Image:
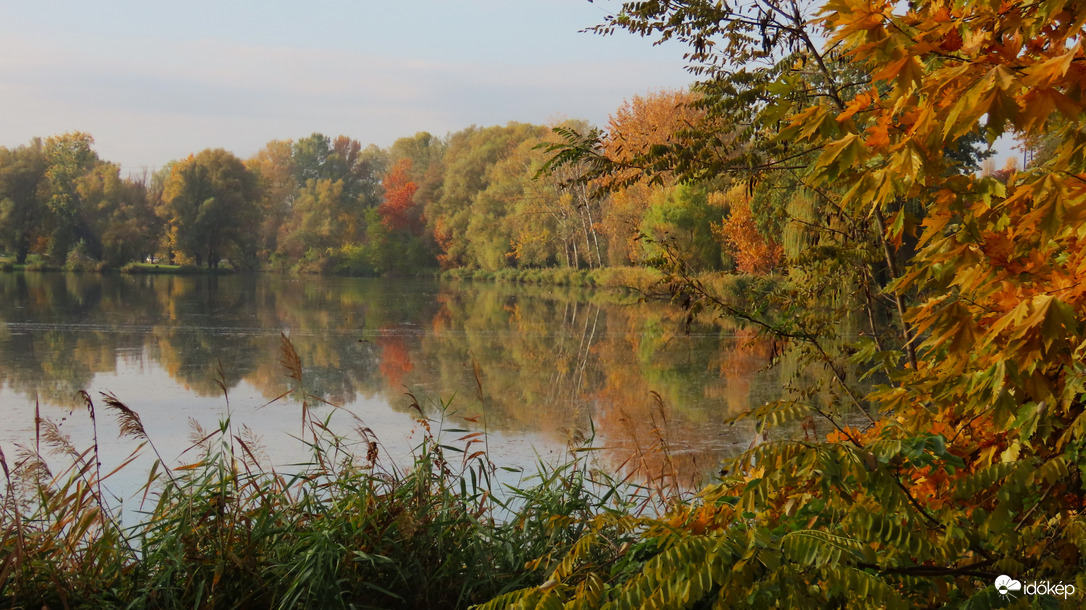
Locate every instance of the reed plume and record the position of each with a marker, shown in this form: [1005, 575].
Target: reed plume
[56, 440]
[131, 425]
[198, 437]
[128, 420]
[288, 357]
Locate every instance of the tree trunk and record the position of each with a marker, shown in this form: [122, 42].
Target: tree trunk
[595, 237]
[587, 243]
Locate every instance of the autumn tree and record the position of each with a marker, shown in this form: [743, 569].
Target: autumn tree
[274, 168]
[753, 252]
[398, 210]
[396, 237]
[57, 197]
[426, 154]
[641, 125]
[209, 206]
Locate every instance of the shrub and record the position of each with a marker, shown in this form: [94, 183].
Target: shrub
[643, 280]
[481, 275]
[40, 265]
[507, 275]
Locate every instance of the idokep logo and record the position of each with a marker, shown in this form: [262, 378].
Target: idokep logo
[1007, 586]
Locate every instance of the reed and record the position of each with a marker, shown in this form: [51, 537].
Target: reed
[346, 529]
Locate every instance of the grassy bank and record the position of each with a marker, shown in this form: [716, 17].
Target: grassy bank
[346, 529]
[137, 268]
[9, 264]
[644, 282]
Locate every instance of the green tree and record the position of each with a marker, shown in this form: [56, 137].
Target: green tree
[210, 209]
[321, 218]
[69, 157]
[318, 157]
[469, 222]
[681, 219]
[22, 172]
[337, 181]
[554, 218]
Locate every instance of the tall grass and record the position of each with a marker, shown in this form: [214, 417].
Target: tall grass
[345, 529]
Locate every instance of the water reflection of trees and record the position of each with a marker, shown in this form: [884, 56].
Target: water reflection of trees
[53, 341]
[528, 358]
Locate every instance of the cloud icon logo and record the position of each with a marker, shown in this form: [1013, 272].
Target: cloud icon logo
[1005, 584]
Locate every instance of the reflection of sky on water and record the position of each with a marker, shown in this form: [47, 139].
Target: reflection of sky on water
[278, 426]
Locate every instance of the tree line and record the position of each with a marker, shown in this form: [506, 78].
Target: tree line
[476, 198]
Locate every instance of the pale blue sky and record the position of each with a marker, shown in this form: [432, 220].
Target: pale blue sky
[155, 81]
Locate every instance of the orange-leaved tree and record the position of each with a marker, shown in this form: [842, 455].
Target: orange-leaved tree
[640, 125]
[753, 252]
[969, 467]
[398, 201]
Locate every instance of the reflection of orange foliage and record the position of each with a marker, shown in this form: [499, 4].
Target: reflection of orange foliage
[753, 252]
[651, 442]
[642, 433]
[395, 359]
[748, 355]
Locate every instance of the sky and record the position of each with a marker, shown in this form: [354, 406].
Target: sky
[153, 81]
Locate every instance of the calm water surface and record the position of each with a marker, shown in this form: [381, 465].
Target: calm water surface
[538, 367]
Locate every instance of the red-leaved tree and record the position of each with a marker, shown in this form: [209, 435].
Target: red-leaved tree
[398, 210]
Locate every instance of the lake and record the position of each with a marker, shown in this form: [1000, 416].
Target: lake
[536, 368]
